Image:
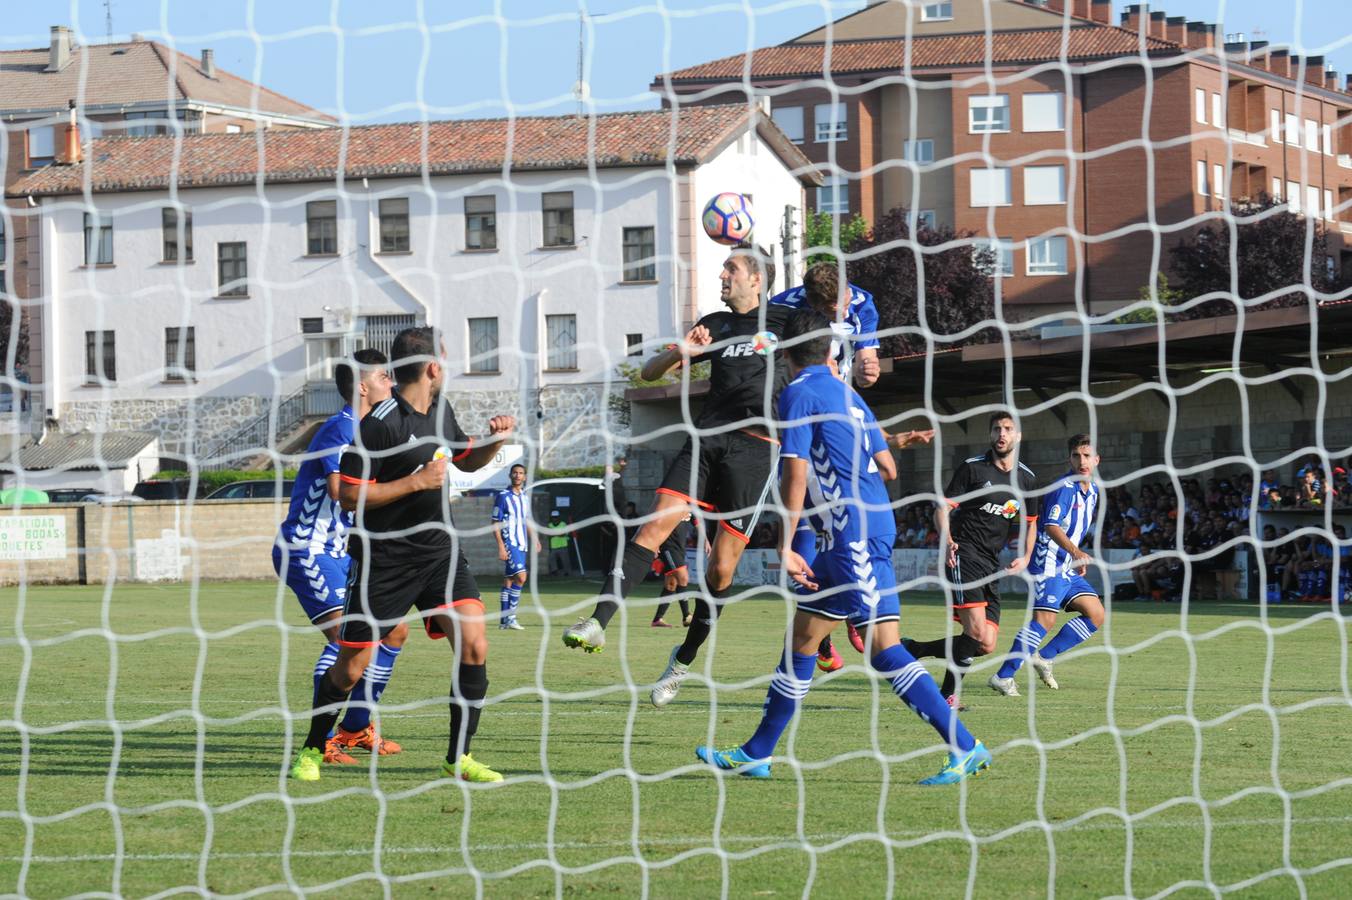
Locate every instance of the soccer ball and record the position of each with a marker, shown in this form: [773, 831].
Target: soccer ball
[728, 219]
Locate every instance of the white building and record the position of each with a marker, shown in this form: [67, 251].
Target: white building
[192, 284]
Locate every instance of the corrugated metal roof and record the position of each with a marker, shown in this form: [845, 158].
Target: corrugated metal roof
[82, 451]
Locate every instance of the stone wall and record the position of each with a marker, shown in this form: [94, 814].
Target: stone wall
[184, 425]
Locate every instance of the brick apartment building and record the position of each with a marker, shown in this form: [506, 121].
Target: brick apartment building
[134, 88]
[1057, 124]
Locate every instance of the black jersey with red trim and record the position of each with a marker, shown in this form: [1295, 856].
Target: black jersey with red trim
[393, 441]
[743, 360]
[989, 501]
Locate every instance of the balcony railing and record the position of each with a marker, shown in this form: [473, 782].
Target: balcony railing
[1257, 138]
[1345, 227]
[1345, 160]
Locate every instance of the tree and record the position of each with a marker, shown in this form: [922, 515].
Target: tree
[958, 288]
[1270, 253]
[819, 231]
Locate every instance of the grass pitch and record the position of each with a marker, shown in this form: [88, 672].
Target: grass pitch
[144, 739]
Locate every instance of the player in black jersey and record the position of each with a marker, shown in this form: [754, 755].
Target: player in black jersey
[675, 573]
[986, 495]
[405, 552]
[727, 466]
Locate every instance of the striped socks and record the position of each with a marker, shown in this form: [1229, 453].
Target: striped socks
[1075, 632]
[1026, 643]
[367, 692]
[787, 691]
[917, 689]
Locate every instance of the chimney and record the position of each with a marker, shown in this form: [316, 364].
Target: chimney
[1314, 70]
[1348, 88]
[1279, 62]
[208, 66]
[1056, 6]
[1136, 16]
[1176, 29]
[1157, 27]
[1101, 11]
[68, 150]
[1080, 9]
[1331, 80]
[1236, 50]
[59, 57]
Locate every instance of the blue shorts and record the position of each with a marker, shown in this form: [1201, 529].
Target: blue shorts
[1054, 593]
[318, 580]
[855, 582]
[516, 562]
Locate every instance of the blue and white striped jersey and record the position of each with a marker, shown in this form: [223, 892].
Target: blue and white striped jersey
[315, 521]
[510, 509]
[858, 330]
[1072, 508]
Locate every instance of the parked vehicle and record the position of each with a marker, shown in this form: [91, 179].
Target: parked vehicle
[167, 489]
[251, 490]
[72, 495]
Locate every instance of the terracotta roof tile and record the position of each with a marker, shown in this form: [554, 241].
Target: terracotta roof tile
[687, 136]
[1083, 41]
[131, 73]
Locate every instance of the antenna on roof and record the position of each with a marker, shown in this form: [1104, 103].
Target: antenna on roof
[108, 18]
[581, 90]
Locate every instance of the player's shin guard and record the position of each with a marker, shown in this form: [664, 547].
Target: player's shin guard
[1025, 645]
[321, 723]
[504, 605]
[327, 657]
[787, 690]
[960, 660]
[368, 690]
[917, 690]
[637, 563]
[513, 601]
[698, 632]
[1076, 631]
[468, 690]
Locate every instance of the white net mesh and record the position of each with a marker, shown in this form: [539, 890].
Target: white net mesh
[1133, 232]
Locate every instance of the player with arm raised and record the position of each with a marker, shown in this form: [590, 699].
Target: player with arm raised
[1058, 567]
[311, 550]
[834, 455]
[406, 554]
[514, 535]
[986, 495]
[726, 469]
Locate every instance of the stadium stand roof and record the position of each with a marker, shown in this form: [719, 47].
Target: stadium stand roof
[139, 72]
[686, 136]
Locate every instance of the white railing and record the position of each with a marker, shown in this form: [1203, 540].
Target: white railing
[1345, 227]
[1257, 138]
[1345, 160]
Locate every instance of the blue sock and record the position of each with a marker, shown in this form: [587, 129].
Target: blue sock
[1026, 643]
[505, 600]
[374, 679]
[917, 689]
[327, 657]
[781, 702]
[513, 601]
[1076, 631]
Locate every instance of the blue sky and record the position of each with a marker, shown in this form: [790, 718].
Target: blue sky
[397, 60]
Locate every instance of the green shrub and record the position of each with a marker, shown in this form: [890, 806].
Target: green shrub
[212, 480]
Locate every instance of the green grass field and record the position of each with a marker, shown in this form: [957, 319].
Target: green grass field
[1181, 753]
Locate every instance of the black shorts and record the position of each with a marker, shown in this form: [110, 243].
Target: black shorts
[968, 571]
[381, 596]
[671, 555]
[733, 476]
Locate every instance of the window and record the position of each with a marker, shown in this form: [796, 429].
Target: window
[1199, 105]
[169, 224]
[1203, 187]
[1220, 186]
[987, 113]
[100, 357]
[1292, 129]
[232, 269]
[1044, 112]
[1312, 201]
[561, 334]
[633, 345]
[1217, 111]
[1312, 135]
[936, 12]
[1002, 265]
[321, 228]
[481, 223]
[180, 353]
[483, 345]
[1276, 189]
[394, 225]
[925, 219]
[98, 240]
[1328, 206]
[140, 124]
[790, 121]
[990, 187]
[921, 151]
[1326, 131]
[41, 146]
[234, 129]
[1047, 256]
[1293, 196]
[640, 250]
[830, 122]
[834, 196]
[312, 325]
[558, 216]
[1044, 185]
[1275, 125]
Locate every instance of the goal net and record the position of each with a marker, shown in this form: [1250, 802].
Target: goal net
[1055, 231]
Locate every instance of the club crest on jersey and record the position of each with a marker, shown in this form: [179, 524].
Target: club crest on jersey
[1008, 510]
